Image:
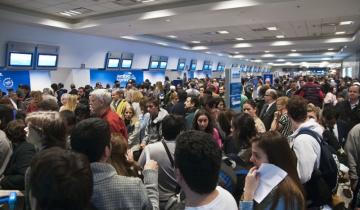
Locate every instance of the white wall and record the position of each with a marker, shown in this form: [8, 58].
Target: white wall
[351, 65]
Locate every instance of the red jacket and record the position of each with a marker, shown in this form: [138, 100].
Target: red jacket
[116, 124]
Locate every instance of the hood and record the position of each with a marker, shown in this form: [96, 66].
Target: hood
[162, 113]
[310, 124]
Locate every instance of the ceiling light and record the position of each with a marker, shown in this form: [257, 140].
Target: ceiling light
[236, 52]
[330, 53]
[340, 32]
[331, 49]
[147, 1]
[267, 51]
[257, 61]
[294, 54]
[157, 14]
[268, 55]
[272, 28]
[342, 23]
[185, 48]
[270, 64]
[325, 59]
[247, 59]
[238, 56]
[76, 11]
[338, 40]
[239, 39]
[282, 43]
[129, 37]
[199, 48]
[234, 4]
[219, 54]
[293, 50]
[195, 42]
[168, 20]
[280, 36]
[222, 32]
[172, 36]
[242, 45]
[207, 52]
[162, 43]
[280, 60]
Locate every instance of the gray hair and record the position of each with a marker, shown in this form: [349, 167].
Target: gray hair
[272, 93]
[103, 95]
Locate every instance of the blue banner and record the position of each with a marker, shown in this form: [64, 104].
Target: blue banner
[12, 79]
[109, 77]
[268, 77]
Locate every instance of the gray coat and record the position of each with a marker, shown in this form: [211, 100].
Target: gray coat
[352, 149]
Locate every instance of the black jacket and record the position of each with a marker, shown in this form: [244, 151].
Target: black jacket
[347, 119]
[268, 116]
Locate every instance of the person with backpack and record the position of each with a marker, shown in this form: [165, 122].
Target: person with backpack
[316, 166]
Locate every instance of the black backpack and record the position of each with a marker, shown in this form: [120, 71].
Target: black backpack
[323, 181]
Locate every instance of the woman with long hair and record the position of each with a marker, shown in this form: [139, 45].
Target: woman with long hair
[272, 148]
[204, 122]
[250, 108]
[35, 99]
[71, 102]
[281, 121]
[133, 127]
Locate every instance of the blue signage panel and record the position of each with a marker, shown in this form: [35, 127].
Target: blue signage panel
[268, 77]
[12, 79]
[109, 77]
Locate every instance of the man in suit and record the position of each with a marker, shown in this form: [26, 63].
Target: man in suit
[268, 110]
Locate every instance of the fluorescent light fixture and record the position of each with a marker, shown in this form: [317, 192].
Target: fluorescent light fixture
[270, 64]
[147, 1]
[342, 23]
[162, 43]
[281, 43]
[288, 63]
[340, 32]
[234, 4]
[325, 59]
[242, 45]
[195, 42]
[208, 52]
[267, 51]
[331, 49]
[185, 48]
[200, 48]
[172, 36]
[272, 28]
[281, 60]
[257, 61]
[239, 39]
[293, 50]
[157, 14]
[247, 59]
[294, 54]
[268, 55]
[338, 40]
[219, 54]
[236, 52]
[280, 36]
[238, 56]
[330, 53]
[129, 37]
[222, 32]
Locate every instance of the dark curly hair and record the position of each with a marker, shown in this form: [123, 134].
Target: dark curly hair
[15, 131]
[244, 129]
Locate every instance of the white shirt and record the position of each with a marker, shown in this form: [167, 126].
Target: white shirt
[224, 201]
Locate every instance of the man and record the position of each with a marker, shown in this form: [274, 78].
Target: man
[349, 113]
[293, 88]
[172, 126]
[268, 110]
[67, 177]
[306, 148]
[153, 130]
[73, 90]
[82, 97]
[312, 92]
[191, 106]
[91, 137]
[197, 166]
[192, 91]
[99, 102]
[179, 107]
[221, 91]
[118, 103]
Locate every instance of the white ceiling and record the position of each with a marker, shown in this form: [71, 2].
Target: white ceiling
[309, 25]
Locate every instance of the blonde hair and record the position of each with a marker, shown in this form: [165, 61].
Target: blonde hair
[136, 96]
[283, 100]
[71, 103]
[134, 118]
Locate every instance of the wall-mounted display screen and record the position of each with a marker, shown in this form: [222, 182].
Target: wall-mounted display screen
[113, 63]
[154, 64]
[206, 67]
[45, 60]
[126, 64]
[220, 68]
[193, 66]
[163, 65]
[181, 66]
[20, 59]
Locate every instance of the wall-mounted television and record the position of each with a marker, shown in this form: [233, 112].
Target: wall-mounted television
[193, 66]
[47, 60]
[154, 64]
[206, 67]
[181, 66]
[126, 64]
[113, 63]
[163, 64]
[20, 59]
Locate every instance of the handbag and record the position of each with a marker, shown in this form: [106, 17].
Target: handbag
[176, 201]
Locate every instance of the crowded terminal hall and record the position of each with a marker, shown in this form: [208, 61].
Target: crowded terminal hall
[179, 104]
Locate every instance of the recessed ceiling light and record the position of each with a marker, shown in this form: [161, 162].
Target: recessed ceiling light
[272, 28]
[207, 52]
[162, 43]
[338, 40]
[242, 45]
[268, 55]
[267, 51]
[234, 4]
[172, 36]
[195, 42]
[340, 32]
[281, 60]
[185, 48]
[247, 59]
[200, 48]
[157, 14]
[236, 52]
[346, 22]
[239, 39]
[294, 54]
[219, 54]
[331, 49]
[270, 64]
[238, 56]
[257, 61]
[293, 50]
[330, 53]
[281, 43]
[129, 37]
[147, 1]
[325, 59]
[280, 36]
[168, 20]
[222, 32]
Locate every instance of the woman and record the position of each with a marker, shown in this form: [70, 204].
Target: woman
[133, 127]
[204, 122]
[70, 104]
[281, 121]
[250, 108]
[135, 102]
[313, 112]
[330, 97]
[36, 98]
[220, 104]
[274, 149]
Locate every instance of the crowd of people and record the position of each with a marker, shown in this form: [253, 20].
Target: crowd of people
[140, 146]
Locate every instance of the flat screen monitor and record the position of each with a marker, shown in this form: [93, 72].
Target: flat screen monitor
[126, 64]
[163, 64]
[20, 59]
[210, 67]
[181, 66]
[220, 68]
[193, 66]
[206, 67]
[46, 60]
[154, 64]
[113, 63]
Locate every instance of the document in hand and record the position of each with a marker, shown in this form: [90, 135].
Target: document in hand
[270, 176]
